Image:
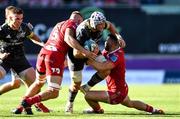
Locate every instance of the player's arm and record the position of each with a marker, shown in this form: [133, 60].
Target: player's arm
[35, 39]
[3, 55]
[30, 34]
[107, 65]
[69, 39]
[113, 31]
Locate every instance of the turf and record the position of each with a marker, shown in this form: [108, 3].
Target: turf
[166, 97]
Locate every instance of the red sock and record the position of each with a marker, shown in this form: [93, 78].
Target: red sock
[33, 100]
[20, 108]
[149, 108]
[96, 108]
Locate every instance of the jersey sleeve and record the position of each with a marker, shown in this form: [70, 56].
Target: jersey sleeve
[115, 59]
[28, 30]
[2, 33]
[72, 25]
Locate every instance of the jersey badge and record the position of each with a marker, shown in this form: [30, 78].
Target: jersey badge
[113, 58]
[8, 36]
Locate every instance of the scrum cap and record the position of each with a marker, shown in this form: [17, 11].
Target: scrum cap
[97, 18]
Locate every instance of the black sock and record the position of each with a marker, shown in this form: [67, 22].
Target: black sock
[72, 95]
[94, 80]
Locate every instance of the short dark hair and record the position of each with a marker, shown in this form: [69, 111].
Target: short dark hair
[113, 37]
[17, 10]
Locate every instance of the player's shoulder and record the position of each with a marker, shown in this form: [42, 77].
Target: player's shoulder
[115, 55]
[71, 24]
[3, 26]
[85, 24]
[25, 26]
[83, 27]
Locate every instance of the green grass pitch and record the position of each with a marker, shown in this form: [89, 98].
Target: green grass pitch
[166, 97]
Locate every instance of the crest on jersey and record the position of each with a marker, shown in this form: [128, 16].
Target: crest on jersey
[113, 58]
[20, 35]
[8, 36]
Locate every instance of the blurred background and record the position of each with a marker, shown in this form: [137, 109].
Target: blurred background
[151, 29]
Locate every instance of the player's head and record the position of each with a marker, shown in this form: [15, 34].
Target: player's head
[8, 12]
[97, 20]
[111, 42]
[77, 16]
[15, 18]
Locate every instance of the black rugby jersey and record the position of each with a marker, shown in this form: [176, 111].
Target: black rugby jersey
[11, 41]
[84, 32]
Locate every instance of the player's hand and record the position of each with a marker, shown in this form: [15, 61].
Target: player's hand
[3, 55]
[96, 49]
[90, 55]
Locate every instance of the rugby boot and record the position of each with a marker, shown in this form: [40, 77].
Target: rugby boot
[27, 107]
[69, 108]
[158, 111]
[17, 110]
[91, 111]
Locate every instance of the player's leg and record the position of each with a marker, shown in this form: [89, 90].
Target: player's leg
[3, 70]
[76, 78]
[52, 67]
[96, 78]
[28, 76]
[93, 98]
[32, 90]
[51, 92]
[14, 84]
[141, 106]
[75, 67]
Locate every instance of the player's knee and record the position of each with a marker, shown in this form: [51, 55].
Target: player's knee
[129, 104]
[16, 83]
[75, 86]
[54, 92]
[76, 76]
[40, 81]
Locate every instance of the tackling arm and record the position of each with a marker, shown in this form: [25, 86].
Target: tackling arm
[107, 65]
[113, 31]
[69, 39]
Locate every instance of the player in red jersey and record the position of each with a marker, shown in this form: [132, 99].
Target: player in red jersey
[117, 87]
[50, 62]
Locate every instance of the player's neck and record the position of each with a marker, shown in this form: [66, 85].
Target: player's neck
[113, 49]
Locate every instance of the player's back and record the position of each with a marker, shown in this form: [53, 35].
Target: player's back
[56, 38]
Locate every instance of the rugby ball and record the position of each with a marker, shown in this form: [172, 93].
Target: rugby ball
[90, 45]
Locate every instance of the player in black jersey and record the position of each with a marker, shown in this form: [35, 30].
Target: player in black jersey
[91, 28]
[12, 34]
